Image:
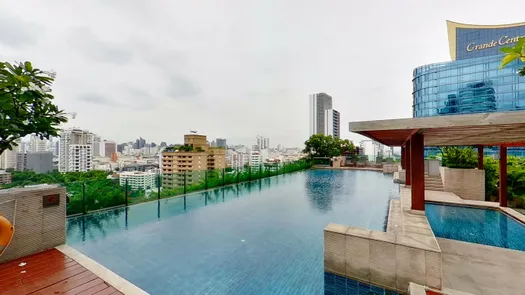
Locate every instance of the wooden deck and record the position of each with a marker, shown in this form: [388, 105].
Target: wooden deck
[50, 272]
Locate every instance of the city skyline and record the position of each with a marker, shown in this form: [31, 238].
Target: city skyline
[198, 80]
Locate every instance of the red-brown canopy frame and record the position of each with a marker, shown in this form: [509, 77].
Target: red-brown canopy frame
[503, 129]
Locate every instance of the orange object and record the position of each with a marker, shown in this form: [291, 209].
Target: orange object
[7, 231]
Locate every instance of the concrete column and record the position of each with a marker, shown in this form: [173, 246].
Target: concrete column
[480, 157]
[417, 161]
[403, 157]
[503, 176]
[408, 176]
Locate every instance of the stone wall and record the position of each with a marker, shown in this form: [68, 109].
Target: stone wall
[468, 184]
[36, 228]
[390, 168]
[383, 259]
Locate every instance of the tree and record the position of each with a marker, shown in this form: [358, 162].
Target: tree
[25, 104]
[514, 53]
[459, 157]
[319, 145]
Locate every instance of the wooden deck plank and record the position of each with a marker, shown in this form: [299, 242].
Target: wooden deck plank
[67, 284]
[108, 291]
[50, 272]
[94, 289]
[84, 287]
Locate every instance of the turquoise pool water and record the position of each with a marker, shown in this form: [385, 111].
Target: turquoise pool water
[263, 237]
[481, 226]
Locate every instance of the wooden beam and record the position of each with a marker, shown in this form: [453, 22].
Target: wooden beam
[481, 119]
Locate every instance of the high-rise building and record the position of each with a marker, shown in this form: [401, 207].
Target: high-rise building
[110, 147]
[320, 109]
[76, 151]
[221, 142]
[163, 144]
[188, 164]
[8, 157]
[472, 82]
[140, 143]
[36, 144]
[40, 162]
[263, 142]
[332, 123]
[255, 158]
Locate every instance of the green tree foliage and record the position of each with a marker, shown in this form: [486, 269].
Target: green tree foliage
[459, 157]
[514, 53]
[515, 180]
[25, 104]
[319, 145]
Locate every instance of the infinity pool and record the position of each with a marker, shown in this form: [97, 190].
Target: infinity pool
[263, 237]
[481, 226]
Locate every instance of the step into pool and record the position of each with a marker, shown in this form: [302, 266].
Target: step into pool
[263, 237]
[475, 225]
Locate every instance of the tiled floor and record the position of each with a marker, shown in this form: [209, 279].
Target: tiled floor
[50, 272]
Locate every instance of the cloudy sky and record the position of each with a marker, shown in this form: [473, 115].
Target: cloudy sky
[232, 68]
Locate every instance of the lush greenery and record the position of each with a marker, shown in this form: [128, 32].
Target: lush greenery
[515, 180]
[22, 178]
[25, 104]
[319, 145]
[514, 53]
[88, 191]
[459, 157]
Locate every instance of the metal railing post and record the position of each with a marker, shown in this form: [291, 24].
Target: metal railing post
[184, 181]
[83, 198]
[222, 176]
[206, 179]
[250, 173]
[126, 190]
[158, 186]
[260, 171]
[237, 172]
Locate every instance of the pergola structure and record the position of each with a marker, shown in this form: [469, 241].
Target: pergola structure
[503, 129]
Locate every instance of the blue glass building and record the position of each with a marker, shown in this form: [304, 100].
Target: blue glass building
[472, 82]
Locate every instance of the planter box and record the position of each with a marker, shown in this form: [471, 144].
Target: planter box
[468, 184]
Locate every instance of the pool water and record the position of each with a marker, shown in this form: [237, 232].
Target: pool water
[263, 237]
[481, 226]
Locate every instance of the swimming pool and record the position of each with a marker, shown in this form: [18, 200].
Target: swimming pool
[263, 237]
[481, 226]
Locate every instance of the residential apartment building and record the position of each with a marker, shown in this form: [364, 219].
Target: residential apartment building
[188, 164]
[8, 157]
[5, 177]
[75, 151]
[110, 147]
[138, 180]
[37, 145]
[323, 118]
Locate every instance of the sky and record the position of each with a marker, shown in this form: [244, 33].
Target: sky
[233, 69]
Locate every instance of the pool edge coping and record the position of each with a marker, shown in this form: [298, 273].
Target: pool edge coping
[517, 216]
[101, 271]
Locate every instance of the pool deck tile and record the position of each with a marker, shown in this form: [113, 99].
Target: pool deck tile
[482, 269]
[50, 272]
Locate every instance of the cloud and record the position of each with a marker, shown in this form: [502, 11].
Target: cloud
[17, 33]
[99, 99]
[87, 43]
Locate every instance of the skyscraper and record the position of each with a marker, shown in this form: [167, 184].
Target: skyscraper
[76, 151]
[36, 144]
[221, 142]
[323, 119]
[263, 142]
[331, 124]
